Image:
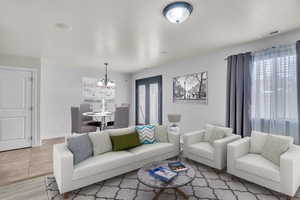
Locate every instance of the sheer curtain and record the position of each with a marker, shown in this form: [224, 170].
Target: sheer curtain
[274, 91]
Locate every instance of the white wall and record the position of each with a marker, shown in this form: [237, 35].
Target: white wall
[195, 116]
[61, 89]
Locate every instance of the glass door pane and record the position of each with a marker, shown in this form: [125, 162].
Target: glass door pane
[149, 100]
[153, 103]
[141, 104]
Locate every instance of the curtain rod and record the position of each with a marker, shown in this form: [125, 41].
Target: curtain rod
[273, 47]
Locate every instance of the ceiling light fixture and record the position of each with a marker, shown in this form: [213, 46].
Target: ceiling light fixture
[178, 12]
[106, 82]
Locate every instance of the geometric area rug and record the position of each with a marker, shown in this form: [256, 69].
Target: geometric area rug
[208, 185]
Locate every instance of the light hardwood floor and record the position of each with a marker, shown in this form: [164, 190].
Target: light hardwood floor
[27, 163]
[32, 189]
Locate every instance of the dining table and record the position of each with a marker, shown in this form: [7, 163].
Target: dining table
[99, 117]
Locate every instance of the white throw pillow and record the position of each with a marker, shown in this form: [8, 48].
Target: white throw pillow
[213, 133]
[161, 133]
[101, 142]
[275, 146]
[257, 141]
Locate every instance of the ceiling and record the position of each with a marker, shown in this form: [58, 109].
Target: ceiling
[132, 34]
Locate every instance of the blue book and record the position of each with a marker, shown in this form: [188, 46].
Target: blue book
[163, 174]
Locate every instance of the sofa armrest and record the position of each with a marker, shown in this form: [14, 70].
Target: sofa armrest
[235, 150]
[193, 137]
[62, 165]
[174, 138]
[220, 153]
[289, 170]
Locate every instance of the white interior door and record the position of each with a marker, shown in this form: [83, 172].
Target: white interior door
[15, 109]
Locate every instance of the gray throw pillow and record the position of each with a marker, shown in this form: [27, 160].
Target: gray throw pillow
[101, 142]
[275, 146]
[161, 133]
[81, 147]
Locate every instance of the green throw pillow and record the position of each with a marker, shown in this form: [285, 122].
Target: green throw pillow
[124, 142]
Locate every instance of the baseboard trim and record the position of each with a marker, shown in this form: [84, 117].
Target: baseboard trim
[24, 179]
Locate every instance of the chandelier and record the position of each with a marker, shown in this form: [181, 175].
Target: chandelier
[105, 82]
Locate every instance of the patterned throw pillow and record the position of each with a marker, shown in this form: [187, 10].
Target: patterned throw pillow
[146, 134]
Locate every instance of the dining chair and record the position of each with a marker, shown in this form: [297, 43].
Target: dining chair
[81, 123]
[121, 118]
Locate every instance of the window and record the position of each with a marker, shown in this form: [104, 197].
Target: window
[274, 91]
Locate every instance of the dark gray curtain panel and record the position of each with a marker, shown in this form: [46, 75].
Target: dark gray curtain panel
[298, 81]
[239, 93]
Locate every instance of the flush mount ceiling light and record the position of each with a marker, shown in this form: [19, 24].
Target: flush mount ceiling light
[177, 12]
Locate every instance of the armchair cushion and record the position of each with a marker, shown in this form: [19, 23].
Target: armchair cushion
[258, 165]
[257, 141]
[203, 149]
[213, 133]
[276, 145]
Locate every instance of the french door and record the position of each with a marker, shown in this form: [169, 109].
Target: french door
[15, 108]
[149, 100]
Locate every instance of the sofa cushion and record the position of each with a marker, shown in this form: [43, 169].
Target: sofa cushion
[275, 146]
[81, 147]
[258, 165]
[146, 134]
[203, 149]
[121, 131]
[124, 142]
[161, 133]
[257, 141]
[101, 142]
[102, 163]
[151, 150]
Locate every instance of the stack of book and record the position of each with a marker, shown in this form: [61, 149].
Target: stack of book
[167, 174]
[177, 166]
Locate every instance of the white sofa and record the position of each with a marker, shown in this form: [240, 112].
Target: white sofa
[213, 155]
[255, 168]
[107, 165]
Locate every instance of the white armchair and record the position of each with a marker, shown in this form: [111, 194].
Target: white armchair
[284, 178]
[211, 154]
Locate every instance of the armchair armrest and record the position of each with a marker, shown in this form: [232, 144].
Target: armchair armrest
[193, 137]
[62, 165]
[289, 170]
[220, 146]
[235, 150]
